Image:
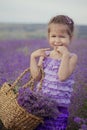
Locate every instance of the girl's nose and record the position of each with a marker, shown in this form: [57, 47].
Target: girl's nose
[57, 40]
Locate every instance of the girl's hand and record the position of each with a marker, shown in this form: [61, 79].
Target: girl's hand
[40, 52]
[63, 50]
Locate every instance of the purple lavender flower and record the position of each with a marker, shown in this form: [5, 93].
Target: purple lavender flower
[13, 62]
[84, 127]
[37, 103]
[78, 120]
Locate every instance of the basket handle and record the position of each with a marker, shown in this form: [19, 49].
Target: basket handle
[19, 77]
[30, 82]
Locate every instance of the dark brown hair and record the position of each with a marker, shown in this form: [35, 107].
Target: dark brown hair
[62, 19]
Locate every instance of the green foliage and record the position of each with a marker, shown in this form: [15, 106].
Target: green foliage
[22, 31]
[83, 110]
[72, 125]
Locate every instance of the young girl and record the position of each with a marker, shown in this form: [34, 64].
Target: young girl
[58, 65]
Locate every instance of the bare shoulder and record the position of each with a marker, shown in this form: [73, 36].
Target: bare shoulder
[73, 62]
[73, 58]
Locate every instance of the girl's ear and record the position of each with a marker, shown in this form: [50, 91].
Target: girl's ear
[48, 35]
[71, 37]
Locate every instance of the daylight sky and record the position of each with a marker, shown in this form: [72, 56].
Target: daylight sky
[40, 11]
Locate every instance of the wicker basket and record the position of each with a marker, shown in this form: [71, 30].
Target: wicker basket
[12, 115]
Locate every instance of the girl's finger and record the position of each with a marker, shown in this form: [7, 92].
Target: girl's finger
[43, 55]
[45, 49]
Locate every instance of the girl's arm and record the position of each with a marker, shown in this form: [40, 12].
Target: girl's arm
[67, 66]
[34, 66]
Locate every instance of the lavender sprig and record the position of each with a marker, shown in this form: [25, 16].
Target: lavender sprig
[37, 103]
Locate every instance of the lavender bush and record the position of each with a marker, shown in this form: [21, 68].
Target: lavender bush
[82, 123]
[15, 56]
[37, 103]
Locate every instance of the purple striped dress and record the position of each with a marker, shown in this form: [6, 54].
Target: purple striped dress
[60, 91]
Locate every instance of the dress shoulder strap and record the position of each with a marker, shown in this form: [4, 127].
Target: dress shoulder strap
[40, 61]
[42, 58]
[47, 53]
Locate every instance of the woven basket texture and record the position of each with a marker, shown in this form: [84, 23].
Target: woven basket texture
[12, 115]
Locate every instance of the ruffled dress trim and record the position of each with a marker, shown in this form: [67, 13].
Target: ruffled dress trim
[60, 91]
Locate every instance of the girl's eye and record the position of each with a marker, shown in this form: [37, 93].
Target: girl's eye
[62, 36]
[53, 36]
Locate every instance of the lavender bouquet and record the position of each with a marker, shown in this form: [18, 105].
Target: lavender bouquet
[37, 103]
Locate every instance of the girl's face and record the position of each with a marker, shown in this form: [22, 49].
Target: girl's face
[58, 36]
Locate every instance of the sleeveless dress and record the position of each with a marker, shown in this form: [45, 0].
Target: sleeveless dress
[60, 91]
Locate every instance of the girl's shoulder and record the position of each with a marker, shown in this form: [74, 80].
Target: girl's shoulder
[73, 56]
[47, 53]
[73, 59]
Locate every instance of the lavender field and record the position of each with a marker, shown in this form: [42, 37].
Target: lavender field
[15, 57]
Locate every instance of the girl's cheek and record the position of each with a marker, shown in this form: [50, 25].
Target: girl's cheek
[63, 40]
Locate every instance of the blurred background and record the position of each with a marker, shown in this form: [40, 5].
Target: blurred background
[23, 28]
[28, 19]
